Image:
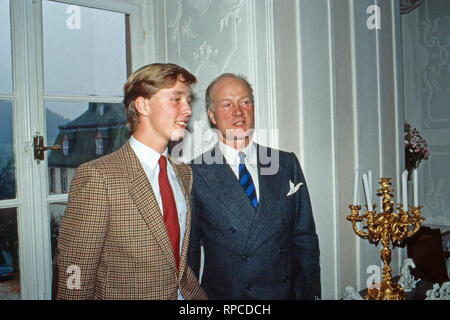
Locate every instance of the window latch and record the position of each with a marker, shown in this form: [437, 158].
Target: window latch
[39, 147]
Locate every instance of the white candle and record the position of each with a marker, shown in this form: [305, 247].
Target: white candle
[405, 190]
[366, 189]
[370, 183]
[355, 188]
[416, 189]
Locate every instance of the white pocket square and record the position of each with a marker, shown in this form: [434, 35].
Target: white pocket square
[293, 188]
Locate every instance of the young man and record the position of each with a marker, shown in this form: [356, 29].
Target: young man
[126, 229]
[254, 216]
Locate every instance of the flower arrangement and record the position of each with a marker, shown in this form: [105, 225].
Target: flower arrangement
[416, 149]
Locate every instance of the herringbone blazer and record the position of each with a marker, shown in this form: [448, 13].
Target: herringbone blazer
[114, 231]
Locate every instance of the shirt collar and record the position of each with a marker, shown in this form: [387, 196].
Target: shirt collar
[147, 156]
[232, 155]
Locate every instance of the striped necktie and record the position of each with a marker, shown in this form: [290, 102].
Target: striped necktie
[245, 179]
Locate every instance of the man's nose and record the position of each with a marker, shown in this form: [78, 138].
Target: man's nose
[237, 109]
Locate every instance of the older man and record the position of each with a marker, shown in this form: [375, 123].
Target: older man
[126, 229]
[256, 224]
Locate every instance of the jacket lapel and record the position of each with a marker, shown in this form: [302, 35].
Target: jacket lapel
[184, 176]
[220, 178]
[142, 194]
[270, 185]
[270, 191]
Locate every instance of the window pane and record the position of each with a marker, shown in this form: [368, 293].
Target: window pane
[5, 48]
[84, 50]
[85, 131]
[7, 166]
[9, 255]
[56, 214]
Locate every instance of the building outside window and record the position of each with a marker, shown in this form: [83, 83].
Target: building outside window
[99, 146]
[52, 180]
[63, 180]
[65, 146]
[85, 138]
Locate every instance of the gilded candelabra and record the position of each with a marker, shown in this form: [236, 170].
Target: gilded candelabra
[386, 226]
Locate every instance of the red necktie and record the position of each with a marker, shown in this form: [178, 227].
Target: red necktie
[169, 209]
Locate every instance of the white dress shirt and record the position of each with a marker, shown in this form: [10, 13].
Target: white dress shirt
[149, 160]
[232, 157]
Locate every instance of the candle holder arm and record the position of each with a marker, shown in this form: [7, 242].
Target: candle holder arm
[354, 217]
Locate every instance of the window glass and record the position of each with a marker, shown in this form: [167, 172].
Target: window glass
[9, 253]
[85, 131]
[56, 214]
[6, 80]
[7, 165]
[84, 50]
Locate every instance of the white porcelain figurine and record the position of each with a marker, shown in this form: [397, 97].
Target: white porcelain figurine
[407, 280]
[444, 293]
[351, 294]
[433, 294]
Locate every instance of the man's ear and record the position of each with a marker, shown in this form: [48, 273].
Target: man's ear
[211, 117]
[142, 105]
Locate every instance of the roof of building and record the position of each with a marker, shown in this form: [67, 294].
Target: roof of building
[108, 120]
[99, 115]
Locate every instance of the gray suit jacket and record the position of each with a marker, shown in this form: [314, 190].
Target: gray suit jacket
[271, 252]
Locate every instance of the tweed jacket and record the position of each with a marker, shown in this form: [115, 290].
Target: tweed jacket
[271, 252]
[114, 232]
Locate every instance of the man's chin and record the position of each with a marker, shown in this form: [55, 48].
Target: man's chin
[237, 141]
[239, 134]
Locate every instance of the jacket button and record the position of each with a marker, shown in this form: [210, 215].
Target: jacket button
[285, 278]
[281, 250]
[232, 229]
[249, 286]
[245, 258]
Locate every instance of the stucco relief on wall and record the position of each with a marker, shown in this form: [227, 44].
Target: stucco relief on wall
[432, 52]
[435, 38]
[204, 33]
[208, 37]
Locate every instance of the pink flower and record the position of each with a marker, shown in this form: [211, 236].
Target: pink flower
[416, 147]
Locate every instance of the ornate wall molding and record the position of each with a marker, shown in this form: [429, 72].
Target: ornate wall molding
[426, 42]
[435, 37]
[210, 37]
